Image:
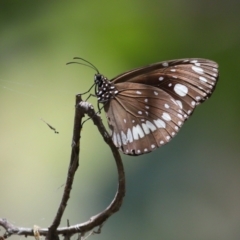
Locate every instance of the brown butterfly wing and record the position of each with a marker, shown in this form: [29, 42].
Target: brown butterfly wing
[153, 102]
[189, 81]
[142, 118]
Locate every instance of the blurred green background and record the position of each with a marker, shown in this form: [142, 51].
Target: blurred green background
[188, 189]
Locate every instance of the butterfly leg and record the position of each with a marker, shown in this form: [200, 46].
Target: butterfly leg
[99, 111]
[90, 95]
[87, 90]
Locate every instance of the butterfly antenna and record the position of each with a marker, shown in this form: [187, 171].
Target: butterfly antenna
[87, 62]
[90, 65]
[84, 65]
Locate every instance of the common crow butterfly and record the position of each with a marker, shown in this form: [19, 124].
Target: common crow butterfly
[147, 106]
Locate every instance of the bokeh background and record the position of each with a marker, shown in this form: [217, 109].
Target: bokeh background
[188, 189]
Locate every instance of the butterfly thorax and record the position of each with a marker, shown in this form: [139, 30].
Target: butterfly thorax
[104, 89]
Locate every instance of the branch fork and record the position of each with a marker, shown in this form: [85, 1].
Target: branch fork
[53, 232]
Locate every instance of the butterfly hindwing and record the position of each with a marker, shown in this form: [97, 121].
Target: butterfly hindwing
[142, 118]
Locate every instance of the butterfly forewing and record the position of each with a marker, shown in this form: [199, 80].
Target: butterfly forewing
[151, 103]
[189, 81]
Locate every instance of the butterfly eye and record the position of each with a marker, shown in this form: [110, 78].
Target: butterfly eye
[98, 79]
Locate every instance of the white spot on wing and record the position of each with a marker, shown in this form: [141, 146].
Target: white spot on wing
[138, 92]
[180, 116]
[197, 70]
[124, 138]
[166, 105]
[119, 140]
[198, 98]
[160, 123]
[175, 102]
[156, 93]
[165, 64]
[137, 132]
[129, 135]
[161, 78]
[180, 89]
[114, 138]
[166, 116]
[196, 63]
[148, 126]
[179, 103]
[202, 79]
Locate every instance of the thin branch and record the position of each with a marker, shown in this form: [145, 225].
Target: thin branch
[73, 165]
[53, 231]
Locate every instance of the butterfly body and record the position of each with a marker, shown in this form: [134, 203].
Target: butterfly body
[147, 106]
[104, 89]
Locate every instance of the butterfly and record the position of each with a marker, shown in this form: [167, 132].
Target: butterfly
[146, 107]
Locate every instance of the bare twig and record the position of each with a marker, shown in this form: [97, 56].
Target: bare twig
[53, 231]
[72, 166]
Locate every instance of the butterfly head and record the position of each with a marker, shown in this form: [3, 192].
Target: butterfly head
[98, 79]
